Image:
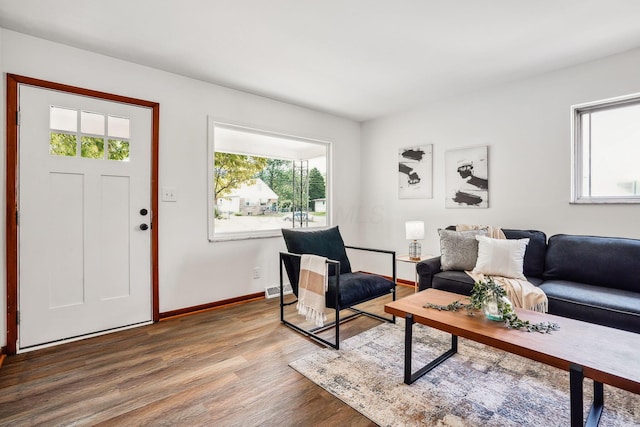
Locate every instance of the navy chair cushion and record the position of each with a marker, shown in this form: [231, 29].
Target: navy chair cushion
[356, 288]
[327, 243]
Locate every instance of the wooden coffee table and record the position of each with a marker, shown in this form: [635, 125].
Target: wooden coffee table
[606, 355]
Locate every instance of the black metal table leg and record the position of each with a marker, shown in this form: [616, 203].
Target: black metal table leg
[575, 395]
[409, 377]
[596, 407]
[408, 340]
[576, 378]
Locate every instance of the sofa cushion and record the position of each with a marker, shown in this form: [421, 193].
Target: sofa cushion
[459, 249]
[534, 256]
[500, 257]
[605, 306]
[610, 262]
[460, 282]
[454, 281]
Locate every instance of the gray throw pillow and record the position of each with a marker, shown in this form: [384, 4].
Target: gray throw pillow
[459, 249]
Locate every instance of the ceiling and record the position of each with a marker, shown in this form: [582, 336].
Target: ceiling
[359, 59]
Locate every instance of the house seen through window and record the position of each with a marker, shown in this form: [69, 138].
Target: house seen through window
[262, 182]
[606, 148]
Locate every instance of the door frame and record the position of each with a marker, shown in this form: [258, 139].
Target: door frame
[12, 190]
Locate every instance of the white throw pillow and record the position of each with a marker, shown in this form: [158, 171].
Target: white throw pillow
[501, 257]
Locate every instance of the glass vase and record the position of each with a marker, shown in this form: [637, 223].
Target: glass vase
[491, 308]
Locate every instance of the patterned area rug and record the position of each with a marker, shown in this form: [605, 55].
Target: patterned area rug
[479, 386]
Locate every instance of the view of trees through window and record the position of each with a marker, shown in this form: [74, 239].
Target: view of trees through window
[71, 128]
[261, 182]
[259, 193]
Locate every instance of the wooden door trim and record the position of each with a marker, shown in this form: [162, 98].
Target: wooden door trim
[12, 190]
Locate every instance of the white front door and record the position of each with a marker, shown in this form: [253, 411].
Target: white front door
[84, 216]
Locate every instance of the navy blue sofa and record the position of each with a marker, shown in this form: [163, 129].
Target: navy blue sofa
[589, 278]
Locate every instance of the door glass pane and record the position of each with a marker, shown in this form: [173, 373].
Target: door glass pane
[63, 119]
[92, 123]
[118, 127]
[92, 148]
[118, 150]
[62, 144]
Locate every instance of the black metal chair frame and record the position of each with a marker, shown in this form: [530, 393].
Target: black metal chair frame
[313, 332]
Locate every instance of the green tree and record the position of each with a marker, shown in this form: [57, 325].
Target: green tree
[277, 174]
[62, 144]
[118, 150]
[92, 147]
[300, 187]
[317, 189]
[233, 170]
[65, 144]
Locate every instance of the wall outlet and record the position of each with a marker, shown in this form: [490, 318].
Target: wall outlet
[256, 273]
[169, 194]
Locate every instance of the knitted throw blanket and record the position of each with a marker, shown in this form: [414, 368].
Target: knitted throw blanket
[312, 286]
[521, 293]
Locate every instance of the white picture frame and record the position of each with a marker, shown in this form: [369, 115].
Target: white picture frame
[415, 172]
[467, 178]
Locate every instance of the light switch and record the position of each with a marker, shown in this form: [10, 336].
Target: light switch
[169, 194]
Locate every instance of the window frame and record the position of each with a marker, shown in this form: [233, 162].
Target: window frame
[577, 149]
[212, 236]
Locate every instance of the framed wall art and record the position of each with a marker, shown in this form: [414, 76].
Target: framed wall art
[415, 172]
[467, 178]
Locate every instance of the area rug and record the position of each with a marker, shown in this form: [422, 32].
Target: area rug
[479, 386]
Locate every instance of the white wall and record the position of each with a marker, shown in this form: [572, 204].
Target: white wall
[193, 270]
[526, 125]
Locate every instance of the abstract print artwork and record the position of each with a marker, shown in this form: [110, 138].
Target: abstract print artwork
[415, 172]
[467, 178]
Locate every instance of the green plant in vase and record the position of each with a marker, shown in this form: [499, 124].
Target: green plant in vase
[491, 298]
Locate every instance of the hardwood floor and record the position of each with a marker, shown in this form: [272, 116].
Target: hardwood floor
[223, 367]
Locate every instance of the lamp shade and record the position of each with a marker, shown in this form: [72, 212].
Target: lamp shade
[414, 230]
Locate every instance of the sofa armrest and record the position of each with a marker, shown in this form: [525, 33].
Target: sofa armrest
[426, 269]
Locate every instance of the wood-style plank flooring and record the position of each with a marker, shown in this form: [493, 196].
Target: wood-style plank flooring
[223, 367]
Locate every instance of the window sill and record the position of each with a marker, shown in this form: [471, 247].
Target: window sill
[250, 235]
[606, 201]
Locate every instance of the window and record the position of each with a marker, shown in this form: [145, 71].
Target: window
[260, 182]
[606, 151]
[64, 138]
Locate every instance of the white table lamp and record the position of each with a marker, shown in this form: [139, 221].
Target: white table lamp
[414, 231]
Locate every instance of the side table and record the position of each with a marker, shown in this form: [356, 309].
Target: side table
[405, 258]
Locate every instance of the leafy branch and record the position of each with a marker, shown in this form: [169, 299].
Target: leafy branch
[489, 289]
[454, 306]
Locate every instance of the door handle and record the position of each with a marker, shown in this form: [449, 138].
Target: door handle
[144, 227]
